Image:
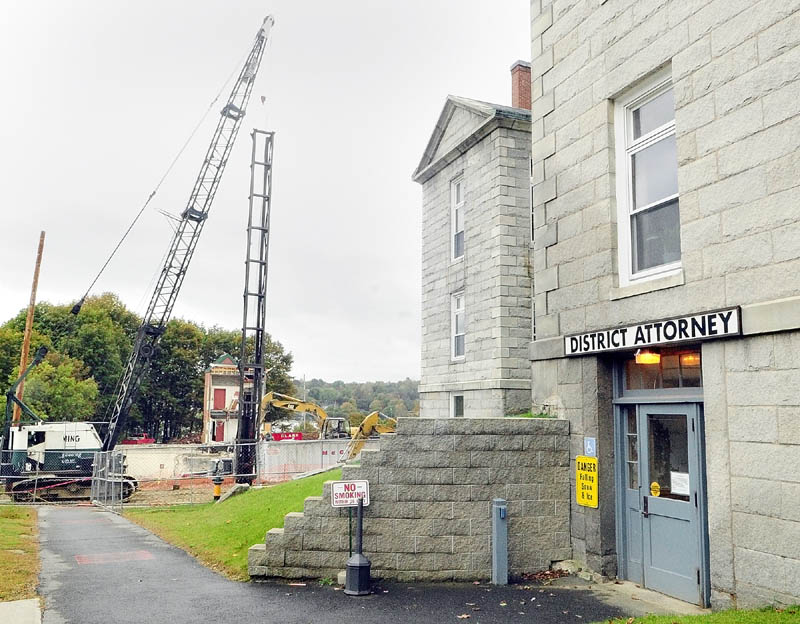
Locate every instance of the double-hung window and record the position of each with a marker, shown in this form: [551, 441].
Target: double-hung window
[457, 219]
[647, 182]
[457, 330]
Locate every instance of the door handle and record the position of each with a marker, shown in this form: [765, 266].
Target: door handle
[645, 511]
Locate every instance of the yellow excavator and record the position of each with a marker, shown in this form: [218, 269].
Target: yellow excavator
[330, 428]
[374, 423]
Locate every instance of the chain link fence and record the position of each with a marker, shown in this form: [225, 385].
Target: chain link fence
[161, 474]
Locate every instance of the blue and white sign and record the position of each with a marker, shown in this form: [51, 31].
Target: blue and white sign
[590, 447]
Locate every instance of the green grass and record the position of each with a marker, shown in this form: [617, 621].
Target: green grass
[769, 615]
[219, 535]
[19, 558]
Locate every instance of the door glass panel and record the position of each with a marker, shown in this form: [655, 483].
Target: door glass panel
[668, 446]
[690, 369]
[631, 418]
[678, 368]
[633, 453]
[632, 448]
[670, 371]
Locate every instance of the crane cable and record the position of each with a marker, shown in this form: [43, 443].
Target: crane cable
[77, 307]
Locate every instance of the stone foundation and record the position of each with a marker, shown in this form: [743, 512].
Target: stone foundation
[431, 487]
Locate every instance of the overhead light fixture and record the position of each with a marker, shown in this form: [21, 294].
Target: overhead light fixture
[646, 356]
[690, 359]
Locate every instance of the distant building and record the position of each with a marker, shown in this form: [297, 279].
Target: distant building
[220, 401]
[476, 277]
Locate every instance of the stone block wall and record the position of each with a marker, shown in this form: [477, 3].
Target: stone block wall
[752, 405]
[478, 403]
[733, 65]
[431, 487]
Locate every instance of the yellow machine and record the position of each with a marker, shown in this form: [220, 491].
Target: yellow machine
[329, 428]
[372, 424]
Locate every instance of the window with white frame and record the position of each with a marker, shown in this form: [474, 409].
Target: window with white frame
[457, 218]
[647, 182]
[456, 405]
[457, 329]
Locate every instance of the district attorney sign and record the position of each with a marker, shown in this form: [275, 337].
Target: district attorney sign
[692, 328]
[347, 493]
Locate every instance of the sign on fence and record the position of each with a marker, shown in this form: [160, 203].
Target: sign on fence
[347, 493]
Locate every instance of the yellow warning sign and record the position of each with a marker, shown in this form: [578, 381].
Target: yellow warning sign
[655, 489]
[586, 485]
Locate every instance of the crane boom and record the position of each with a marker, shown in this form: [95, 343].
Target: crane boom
[186, 236]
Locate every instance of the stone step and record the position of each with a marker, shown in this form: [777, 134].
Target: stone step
[278, 539]
[262, 555]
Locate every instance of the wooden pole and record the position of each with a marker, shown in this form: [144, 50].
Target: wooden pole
[26, 340]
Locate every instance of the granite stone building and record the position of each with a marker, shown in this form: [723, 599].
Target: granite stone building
[476, 275]
[666, 297]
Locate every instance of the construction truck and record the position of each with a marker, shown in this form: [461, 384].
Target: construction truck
[330, 428]
[54, 460]
[374, 424]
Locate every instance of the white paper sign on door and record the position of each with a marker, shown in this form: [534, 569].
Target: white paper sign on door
[679, 483]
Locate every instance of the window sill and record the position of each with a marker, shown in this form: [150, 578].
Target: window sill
[668, 281]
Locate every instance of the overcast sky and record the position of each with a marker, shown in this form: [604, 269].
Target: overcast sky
[96, 97]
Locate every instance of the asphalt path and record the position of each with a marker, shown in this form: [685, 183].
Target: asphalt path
[100, 568]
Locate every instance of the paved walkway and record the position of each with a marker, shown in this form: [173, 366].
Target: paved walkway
[98, 567]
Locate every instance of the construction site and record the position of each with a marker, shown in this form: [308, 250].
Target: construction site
[258, 437]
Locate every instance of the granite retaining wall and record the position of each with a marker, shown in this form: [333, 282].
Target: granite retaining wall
[431, 487]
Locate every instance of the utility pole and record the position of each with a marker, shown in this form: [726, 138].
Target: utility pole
[26, 340]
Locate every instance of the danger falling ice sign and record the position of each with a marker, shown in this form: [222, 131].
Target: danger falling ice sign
[695, 327]
[347, 493]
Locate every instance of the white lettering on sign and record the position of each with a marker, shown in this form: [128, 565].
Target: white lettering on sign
[680, 329]
[347, 493]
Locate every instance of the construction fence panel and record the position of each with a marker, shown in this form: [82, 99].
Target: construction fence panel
[32, 476]
[163, 474]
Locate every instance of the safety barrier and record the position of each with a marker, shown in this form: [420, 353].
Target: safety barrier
[161, 474]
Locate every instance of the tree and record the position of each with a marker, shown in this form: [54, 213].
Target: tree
[59, 389]
[103, 343]
[171, 396]
[89, 353]
[10, 349]
[218, 341]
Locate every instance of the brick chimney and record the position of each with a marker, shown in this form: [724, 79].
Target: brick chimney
[521, 85]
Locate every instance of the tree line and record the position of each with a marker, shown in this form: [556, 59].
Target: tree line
[355, 400]
[88, 352]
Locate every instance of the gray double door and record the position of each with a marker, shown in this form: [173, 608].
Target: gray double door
[663, 496]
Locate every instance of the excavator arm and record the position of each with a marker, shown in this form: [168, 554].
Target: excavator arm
[329, 428]
[373, 423]
[283, 401]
